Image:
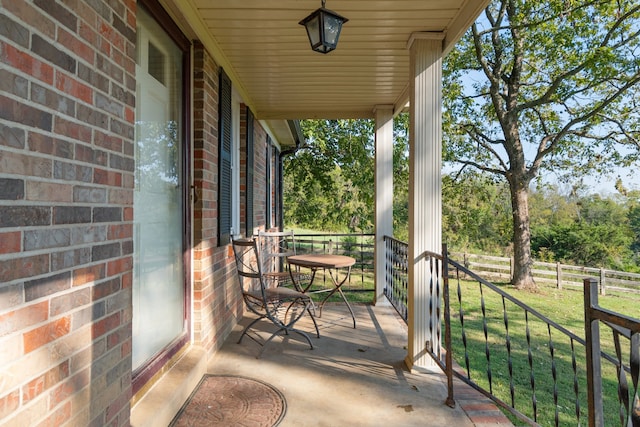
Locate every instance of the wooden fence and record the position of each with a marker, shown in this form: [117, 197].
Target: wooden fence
[554, 274]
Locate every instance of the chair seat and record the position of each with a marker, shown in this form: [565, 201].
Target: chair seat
[285, 277]
[278, 293]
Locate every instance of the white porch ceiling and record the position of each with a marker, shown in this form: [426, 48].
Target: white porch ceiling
[267, 54]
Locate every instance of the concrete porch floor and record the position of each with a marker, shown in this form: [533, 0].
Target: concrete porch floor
[353, 377]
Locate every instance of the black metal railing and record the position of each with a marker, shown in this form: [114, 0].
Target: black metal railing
[359, 246]
[528, 364]
[396, 274]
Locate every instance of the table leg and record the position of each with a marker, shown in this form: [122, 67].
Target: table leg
[337, 288]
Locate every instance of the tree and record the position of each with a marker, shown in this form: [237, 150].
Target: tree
[590, 230]
[475, 216]
[401, 177]
[329, 182]
[547, 87]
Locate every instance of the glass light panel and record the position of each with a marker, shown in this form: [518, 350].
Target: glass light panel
[332, 27]
[313, 31]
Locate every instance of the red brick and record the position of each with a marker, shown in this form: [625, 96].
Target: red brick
[104, 177]
[49, 191]
[131, 5]
[67, 302]
[106, 289]
[89, 155]
[109, 142]
[85, 12]
[59, 417]
[69, 386]
[75, 45]
[125, 350]
[120, 231]
[23, 317]
[10, 242]
[74, 88]
[131, 18]
[129, 114]
[31, 16]
[121, 197]
[127, 214]
[85, 275]
[25, 113]
[104, 46]
[38, 385]
[40, 143]
[43, 335]
[117, 406]
[25, 62]
[108, 32]
[119, 266]
[21, 268]
[72, 129]
[105, 325]
[9, 403]
[21, 164]
[128, 180]
[59, 13]
[127, 280]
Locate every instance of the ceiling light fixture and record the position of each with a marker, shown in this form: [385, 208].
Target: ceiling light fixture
[323, 28]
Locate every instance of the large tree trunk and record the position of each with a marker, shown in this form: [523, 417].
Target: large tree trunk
[522, 261]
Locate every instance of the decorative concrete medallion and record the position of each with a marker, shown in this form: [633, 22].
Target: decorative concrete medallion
[221, 400]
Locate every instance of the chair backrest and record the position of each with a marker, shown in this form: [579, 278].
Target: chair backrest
[275, 246]
[247, 260]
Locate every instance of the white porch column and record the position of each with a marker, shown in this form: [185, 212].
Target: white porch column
[425, 192]
[384, 194]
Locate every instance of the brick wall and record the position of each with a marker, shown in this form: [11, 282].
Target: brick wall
[67, 99]
[217, 300]
[260, 176]
[217, 303]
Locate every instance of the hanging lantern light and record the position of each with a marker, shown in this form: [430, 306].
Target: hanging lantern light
[323, 28]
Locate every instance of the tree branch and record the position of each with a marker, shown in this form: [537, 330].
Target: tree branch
[485, 142]
[481, 167]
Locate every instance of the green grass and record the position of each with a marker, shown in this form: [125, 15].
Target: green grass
[358, 290]
[564, 307]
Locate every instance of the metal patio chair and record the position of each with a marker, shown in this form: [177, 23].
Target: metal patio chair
[275, 247]
[282, 306]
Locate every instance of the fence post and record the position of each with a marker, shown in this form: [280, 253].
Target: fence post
[558, 275]
[511, 262]
[603, 285]
[592, 338]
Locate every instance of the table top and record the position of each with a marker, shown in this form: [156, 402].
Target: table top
[321, 260]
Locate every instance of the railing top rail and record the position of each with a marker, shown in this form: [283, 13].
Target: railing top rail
[393, 239]
[334, 234]
[618, 321]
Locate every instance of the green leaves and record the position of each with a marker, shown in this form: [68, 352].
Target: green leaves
[329, 182]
